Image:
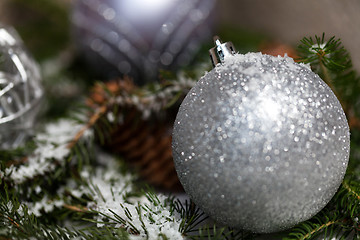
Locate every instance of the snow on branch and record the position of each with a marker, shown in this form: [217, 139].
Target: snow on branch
[51, 151]
[145, 217]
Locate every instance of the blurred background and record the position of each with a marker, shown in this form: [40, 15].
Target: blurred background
[283, 21]
[290, 21]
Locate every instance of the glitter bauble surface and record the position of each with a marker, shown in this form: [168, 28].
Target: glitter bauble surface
[138, 37]
[21, 90]
[261, 143]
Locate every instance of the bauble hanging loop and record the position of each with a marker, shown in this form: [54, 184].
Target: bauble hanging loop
[260, 143]
[221, 51]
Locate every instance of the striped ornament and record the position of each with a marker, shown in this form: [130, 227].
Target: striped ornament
[139, 37]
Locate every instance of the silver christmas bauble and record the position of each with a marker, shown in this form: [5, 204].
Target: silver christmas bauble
[20, 89]
[137, 37]
[261, 143]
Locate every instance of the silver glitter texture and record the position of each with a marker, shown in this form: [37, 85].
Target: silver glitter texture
[261, 143]
[20, 89]
[139, 37]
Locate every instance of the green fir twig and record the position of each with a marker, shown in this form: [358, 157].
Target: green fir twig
[339, 219]
[330, 59]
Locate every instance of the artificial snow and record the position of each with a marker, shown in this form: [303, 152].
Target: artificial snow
[239, 61]
[109, 189]
[46, 205]
[151, 102]
[51, 150]
[317, 46]
[105, 185]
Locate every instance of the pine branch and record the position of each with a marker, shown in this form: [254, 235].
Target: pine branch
[211, 233]
[356, 194]
[37, 182]
[92, 121]
[325, 224]
[29, 227]
[80, 209]
[348, 198]
[222, 233]
[191, 216]
[332, 62]
[339, 219]
[18, 155]
[148, 100]
[21, 221]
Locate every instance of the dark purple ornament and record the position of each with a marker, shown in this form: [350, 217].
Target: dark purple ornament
[139, 37]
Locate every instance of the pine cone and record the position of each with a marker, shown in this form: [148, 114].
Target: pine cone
[145, 144]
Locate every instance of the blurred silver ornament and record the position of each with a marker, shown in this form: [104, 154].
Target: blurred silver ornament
[260, 143]
[139, 37]
[21, 91]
